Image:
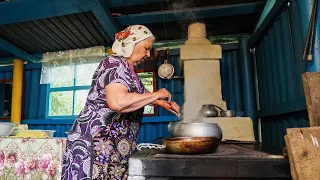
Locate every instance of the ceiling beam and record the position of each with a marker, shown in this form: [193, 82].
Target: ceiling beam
[190, 14]
[15, 51]
[121, 3]
[101, 10]
[27, 10]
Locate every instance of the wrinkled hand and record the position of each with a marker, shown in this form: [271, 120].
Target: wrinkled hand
[163, 94]
[170, 106]
[175, 107]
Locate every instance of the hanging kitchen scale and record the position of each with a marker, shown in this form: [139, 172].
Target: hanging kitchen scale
[166, 70]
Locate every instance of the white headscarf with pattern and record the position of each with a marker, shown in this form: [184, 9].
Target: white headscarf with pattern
[126, 39]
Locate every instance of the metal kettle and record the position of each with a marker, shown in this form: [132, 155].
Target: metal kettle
[209, 110]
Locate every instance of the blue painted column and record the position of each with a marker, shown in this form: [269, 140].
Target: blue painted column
[246, 71]
[314, 65]
[305, 9]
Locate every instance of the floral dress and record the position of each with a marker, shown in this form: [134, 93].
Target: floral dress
[101, 140]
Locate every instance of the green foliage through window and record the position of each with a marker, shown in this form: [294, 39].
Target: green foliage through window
[147, 79]
[68, 95]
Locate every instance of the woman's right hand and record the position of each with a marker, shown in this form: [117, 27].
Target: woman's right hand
[169, 106]
[163, 94]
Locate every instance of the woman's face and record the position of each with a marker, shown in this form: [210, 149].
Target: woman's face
[141, 51]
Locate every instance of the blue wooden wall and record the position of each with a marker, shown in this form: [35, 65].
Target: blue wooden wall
[34, 97]
[279, 68]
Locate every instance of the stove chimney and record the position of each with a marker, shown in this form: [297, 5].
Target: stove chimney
[202, 85]
[201, 63]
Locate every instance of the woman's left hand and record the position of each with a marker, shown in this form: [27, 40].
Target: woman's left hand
[175, 107]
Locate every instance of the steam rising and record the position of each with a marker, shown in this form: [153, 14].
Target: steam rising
[182, 6]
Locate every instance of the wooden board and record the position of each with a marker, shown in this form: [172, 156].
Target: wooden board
[311, 84]
[304, 152]
[292, 168]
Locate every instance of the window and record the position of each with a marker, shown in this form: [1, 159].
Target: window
[67, 97]
[148, 80]
[5, 99]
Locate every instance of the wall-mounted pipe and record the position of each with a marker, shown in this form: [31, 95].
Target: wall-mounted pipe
[246, 70]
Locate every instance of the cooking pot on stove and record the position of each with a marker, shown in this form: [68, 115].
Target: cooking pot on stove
[189, 138]
[185, 145]
[171, 126]
[197, 130]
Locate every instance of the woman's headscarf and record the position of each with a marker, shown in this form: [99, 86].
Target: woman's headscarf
[126, 39]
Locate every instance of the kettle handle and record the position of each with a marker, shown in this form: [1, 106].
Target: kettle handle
[218, 107]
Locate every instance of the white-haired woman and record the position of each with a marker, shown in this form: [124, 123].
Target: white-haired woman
[105, 133]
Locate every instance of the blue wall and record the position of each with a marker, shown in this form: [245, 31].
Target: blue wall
[230, 79]
[279, 68]
[274, 127]
[34, 96]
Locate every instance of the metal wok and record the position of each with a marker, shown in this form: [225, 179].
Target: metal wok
[185, 145]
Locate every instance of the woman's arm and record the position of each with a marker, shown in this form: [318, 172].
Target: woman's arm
[156, 102]
[120, 100]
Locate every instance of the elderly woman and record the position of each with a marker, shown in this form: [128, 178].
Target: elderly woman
[104, 135]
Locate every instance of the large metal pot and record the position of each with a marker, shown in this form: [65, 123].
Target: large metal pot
[197, 130]
[171, 126]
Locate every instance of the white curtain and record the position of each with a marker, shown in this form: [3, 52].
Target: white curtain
[52, 61]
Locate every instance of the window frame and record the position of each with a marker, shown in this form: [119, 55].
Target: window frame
[75, 88]
[6, 117]
[142, 70]
[72, 88]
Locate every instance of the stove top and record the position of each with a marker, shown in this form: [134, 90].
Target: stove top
[223, 151]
